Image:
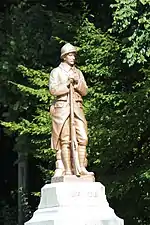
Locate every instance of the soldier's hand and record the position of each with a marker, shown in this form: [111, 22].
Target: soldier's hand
[69, 81]
[73, 78]
[76, 79]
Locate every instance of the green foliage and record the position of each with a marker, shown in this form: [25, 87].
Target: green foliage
[131, 23]
[32, 34]
[117, 110]
[8, 214]
[116, 66]
[25, 207]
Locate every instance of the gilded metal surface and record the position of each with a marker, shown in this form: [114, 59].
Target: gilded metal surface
[62, 124]
[67, 48]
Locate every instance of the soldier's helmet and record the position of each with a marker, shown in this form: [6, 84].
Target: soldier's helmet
[67, 48]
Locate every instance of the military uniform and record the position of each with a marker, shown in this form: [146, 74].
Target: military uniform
[60, 112]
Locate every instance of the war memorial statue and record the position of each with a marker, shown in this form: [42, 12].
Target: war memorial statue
[73, 197]
[69, 126]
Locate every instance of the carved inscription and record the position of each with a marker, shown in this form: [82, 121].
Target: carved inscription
[76, 194]
[90, 194]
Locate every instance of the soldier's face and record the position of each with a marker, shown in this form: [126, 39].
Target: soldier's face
[70, 58]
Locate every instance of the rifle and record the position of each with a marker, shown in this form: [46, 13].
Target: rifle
[74, 144]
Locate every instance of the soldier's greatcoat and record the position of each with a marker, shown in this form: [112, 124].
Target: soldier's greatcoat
[60, 110]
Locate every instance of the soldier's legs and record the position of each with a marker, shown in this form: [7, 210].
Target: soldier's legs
[65, 147]
[81, 132]
[59, 171]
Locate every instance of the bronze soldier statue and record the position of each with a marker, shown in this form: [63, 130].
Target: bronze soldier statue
[67, 115]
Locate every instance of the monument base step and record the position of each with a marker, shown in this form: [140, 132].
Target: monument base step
[74, 203]
[73, 178]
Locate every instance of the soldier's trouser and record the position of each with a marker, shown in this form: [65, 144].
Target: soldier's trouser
[81, 132]
[81, 135]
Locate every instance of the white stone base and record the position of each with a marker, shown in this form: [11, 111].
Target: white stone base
[74, 204]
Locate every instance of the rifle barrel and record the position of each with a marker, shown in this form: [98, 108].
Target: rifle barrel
[74, 151]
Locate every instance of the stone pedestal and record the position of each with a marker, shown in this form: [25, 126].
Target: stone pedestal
[74, 203]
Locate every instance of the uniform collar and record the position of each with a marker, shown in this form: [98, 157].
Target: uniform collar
[66, 67]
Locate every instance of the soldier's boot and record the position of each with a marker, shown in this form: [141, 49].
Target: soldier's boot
[59, 171]
[82, 160]
[66, 158]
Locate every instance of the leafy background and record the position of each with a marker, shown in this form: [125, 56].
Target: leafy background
[112, 37]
